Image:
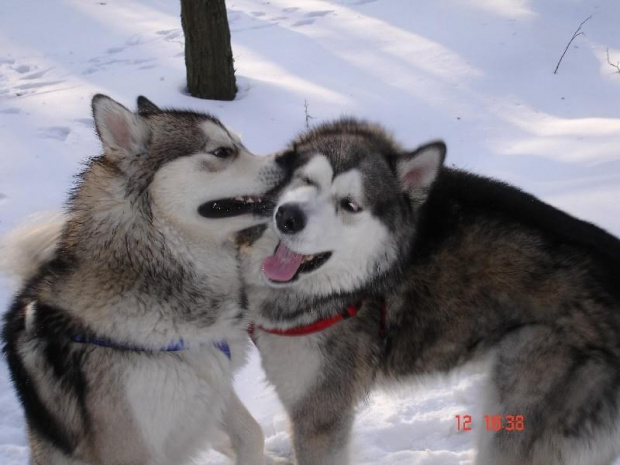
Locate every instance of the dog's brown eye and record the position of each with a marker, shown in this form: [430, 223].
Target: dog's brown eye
[222, 152]
[350, 206]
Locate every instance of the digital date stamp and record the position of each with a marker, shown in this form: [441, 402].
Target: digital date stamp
[493, 423]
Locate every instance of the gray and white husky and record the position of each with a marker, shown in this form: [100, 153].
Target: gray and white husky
[122, 345]
[382, 265]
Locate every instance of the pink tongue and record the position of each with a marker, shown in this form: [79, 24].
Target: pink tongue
[282, 265]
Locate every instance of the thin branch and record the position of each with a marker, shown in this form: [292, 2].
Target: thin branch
[576, 34]
[308, 116]
[617, 65]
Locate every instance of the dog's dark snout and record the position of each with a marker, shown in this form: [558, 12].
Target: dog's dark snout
[290, 219]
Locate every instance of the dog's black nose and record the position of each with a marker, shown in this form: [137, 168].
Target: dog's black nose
[290, 219]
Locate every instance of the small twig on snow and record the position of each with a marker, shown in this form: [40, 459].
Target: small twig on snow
[576, 34]
[308, 116]
[617, 65]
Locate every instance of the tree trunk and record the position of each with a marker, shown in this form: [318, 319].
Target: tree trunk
[208, 55]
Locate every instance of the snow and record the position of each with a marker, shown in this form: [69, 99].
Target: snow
[477, 73]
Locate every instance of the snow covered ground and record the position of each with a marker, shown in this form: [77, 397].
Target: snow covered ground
[477, 73]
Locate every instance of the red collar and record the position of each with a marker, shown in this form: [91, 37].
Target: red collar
[320, 325]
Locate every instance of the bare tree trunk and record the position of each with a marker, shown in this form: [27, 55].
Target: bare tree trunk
[208, 55]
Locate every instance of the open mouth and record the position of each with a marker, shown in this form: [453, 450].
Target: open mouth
[226, 208]
[248, 236]
[285, 266]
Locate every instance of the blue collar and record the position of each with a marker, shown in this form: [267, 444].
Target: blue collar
[172, 347]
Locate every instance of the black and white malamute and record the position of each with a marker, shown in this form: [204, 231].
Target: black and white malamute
[122, 345]
[381, 265]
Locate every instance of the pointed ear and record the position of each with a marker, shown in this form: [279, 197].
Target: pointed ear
[119, 129]
[418, 170]
[146, 106]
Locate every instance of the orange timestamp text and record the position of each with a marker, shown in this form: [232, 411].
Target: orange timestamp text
[493, 423]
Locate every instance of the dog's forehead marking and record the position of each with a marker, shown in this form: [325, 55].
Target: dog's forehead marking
[217, 136]
[319, 170]
[349, 183]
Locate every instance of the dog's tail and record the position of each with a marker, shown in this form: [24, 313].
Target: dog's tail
[24, 249]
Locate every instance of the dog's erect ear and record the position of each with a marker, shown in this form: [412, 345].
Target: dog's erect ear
[120, 130]
[146, 106]
[418, 170]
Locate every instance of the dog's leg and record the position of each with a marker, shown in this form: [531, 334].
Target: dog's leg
[319, 380]
[322, 424]
[566, 394]
[245, 433]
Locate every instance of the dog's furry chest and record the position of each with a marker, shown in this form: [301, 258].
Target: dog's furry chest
[159, 406]
[292, 364]
[173, 395]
